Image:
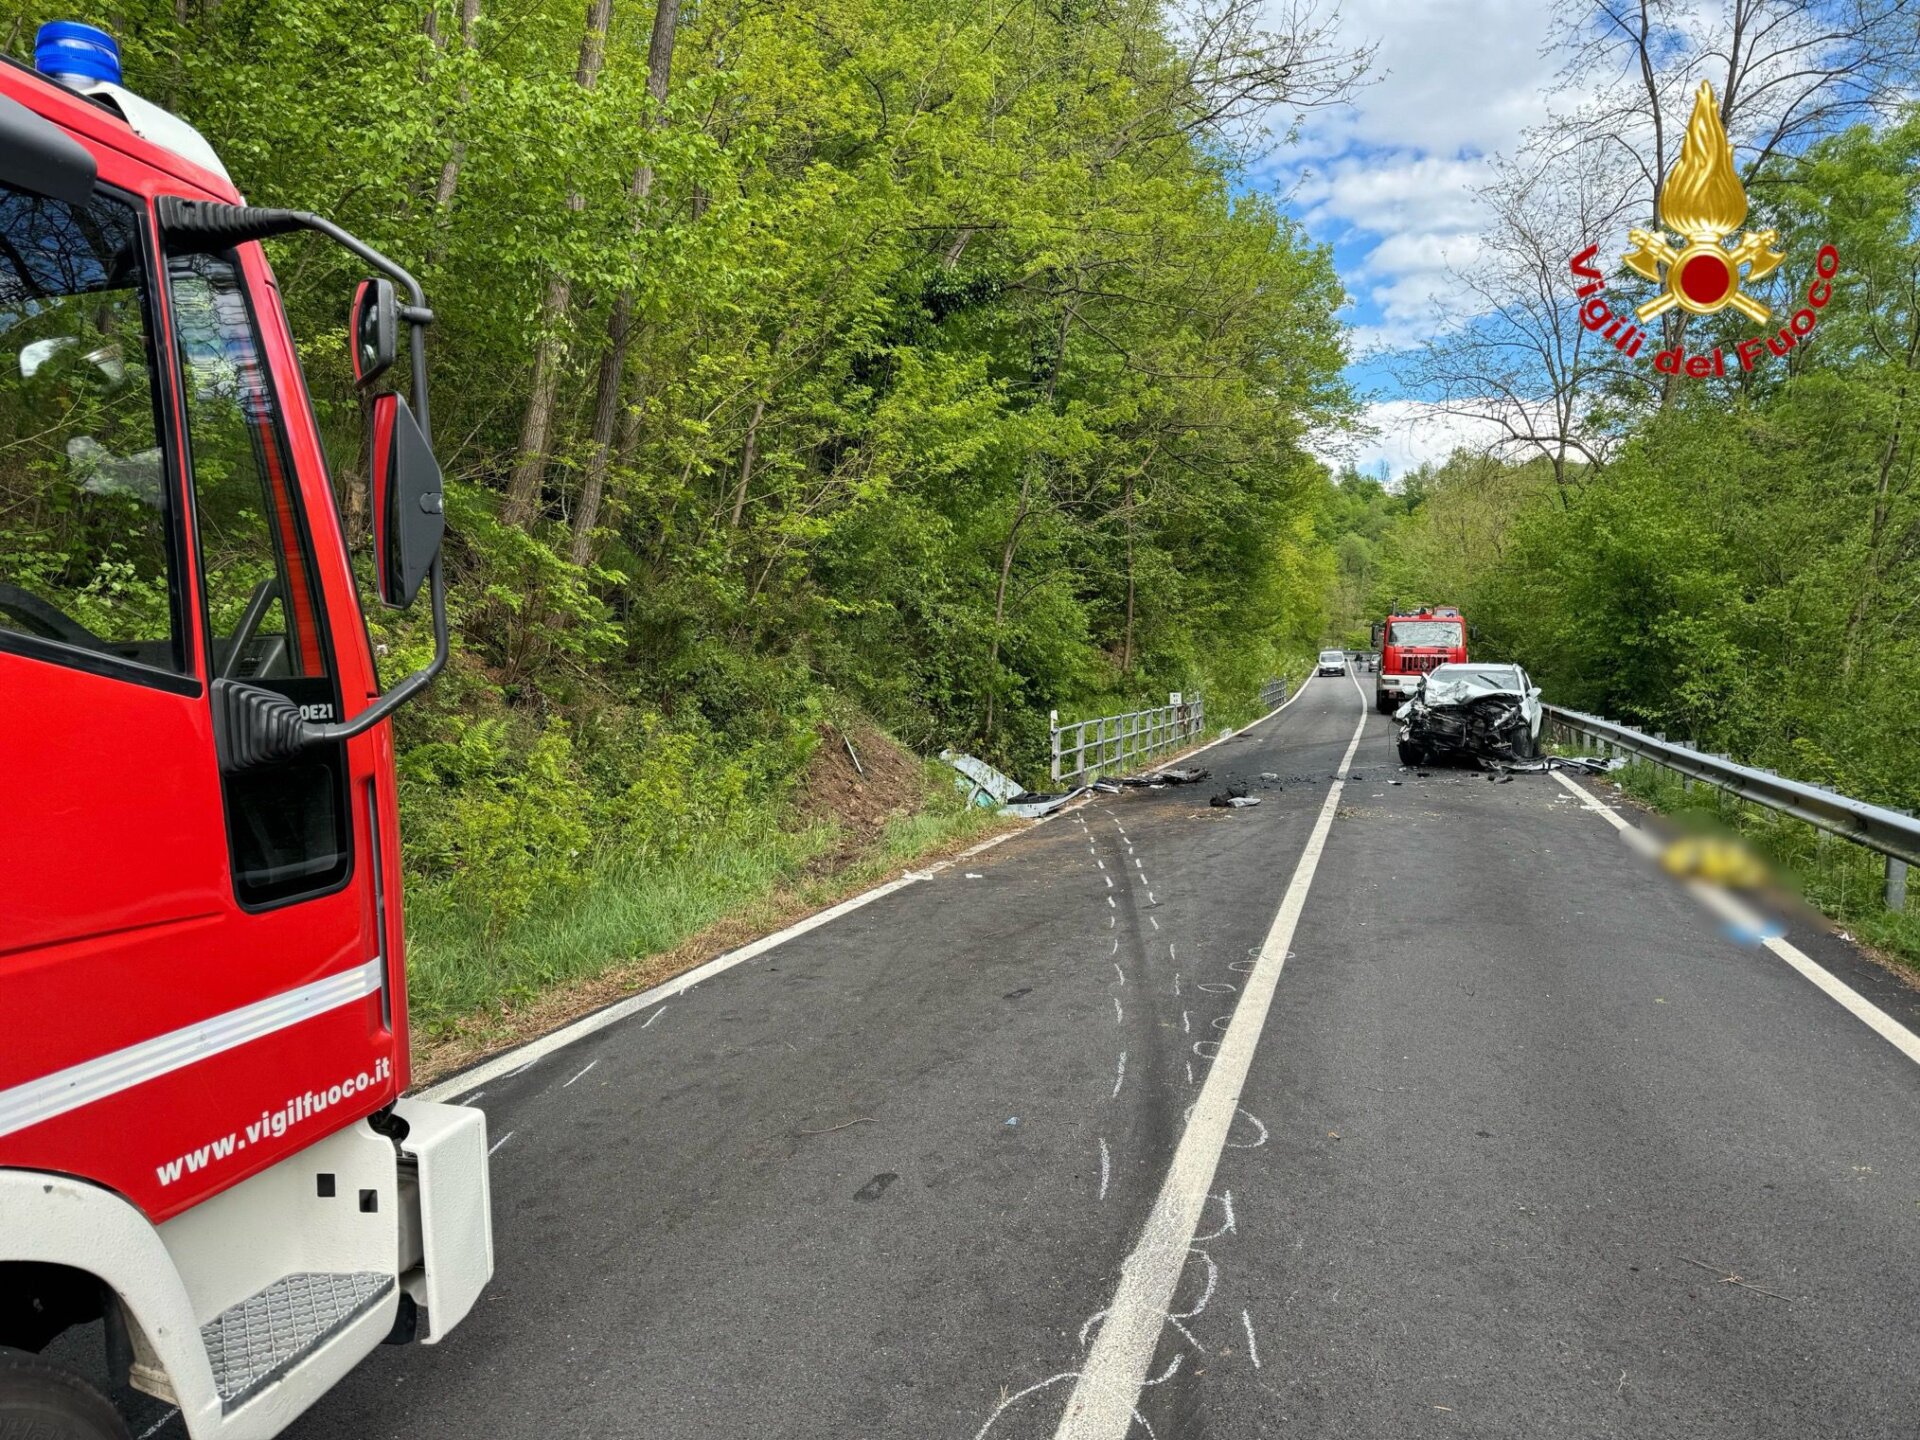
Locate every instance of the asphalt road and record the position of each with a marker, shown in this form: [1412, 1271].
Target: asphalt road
[1517, 1110]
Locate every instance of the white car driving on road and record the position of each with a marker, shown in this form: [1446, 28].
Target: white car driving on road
[1332, 662]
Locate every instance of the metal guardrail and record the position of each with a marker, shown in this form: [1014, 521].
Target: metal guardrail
[1888, 832]
[1120, 742]
[1273, 695]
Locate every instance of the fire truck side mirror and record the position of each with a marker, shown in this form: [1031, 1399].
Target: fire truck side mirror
[409, 507]
[36, 155]
[373, 330]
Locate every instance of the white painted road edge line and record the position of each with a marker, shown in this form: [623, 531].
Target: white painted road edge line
[1735, 913]
[524, 1055]
[1101, 1406]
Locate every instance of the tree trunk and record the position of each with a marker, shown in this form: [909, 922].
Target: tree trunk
[523, 488]
[457, 154]
[746, 461]
[613, 359]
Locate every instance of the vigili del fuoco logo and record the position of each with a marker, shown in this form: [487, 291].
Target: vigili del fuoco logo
[1703, 201]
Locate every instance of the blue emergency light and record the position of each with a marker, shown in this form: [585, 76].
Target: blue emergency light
[69, 48]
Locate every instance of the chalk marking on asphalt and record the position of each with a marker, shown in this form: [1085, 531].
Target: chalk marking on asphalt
[1106, 1166]
[1078, 1377]
[653, 1017]
[501, 1141]
[1110, 898]
[1189, 1072]
[1101, 863]
[1206, 1295]
[1200, 1049]
[1227, 1226]
[1119, 1076]
[1109, 880]
[1259, 1123]
[1120, 976]
[1186, 1025]
[1176, 983]
[589, 1065]
[1119, 1015]
[1101, 1406]
[1150, 899]
[475, 1097]
[1730, 909]
[1219, 987]
[1167, 1374]
[155, 1426]
[1253, 1349]
[1153, 922]
[1172, 953]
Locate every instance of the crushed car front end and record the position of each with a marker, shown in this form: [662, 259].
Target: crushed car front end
[1471, 713]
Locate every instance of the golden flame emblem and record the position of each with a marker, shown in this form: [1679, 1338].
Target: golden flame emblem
[1702, 199]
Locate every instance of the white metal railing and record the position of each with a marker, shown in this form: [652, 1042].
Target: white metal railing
[1890, 832]
[1083, 750]
[1273, 694]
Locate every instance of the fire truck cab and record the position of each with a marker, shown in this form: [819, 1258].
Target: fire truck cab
[204, 1146]
[1413, 643]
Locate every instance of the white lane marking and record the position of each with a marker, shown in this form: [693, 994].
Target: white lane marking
[589, 1065]
[1102, 1404]
[1106, 1166]
[501, 1141]
[1119, 1076]
[1253, 1349]
[1731, 910]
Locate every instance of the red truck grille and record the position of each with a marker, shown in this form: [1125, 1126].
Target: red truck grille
[1414, 664]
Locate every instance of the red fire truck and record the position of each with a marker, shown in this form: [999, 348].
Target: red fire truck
[205, 1153]
[1414, 643]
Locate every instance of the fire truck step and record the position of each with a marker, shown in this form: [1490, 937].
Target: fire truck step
[254, 1343]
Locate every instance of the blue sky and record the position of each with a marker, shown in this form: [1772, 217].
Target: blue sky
[1390, 180]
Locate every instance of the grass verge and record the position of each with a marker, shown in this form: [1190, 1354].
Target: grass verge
[475, 987]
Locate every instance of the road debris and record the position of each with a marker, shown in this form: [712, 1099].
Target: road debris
[987, 788]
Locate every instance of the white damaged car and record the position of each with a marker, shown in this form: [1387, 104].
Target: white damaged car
[1471, 712]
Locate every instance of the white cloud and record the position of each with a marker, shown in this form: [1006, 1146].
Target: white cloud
[1393, 179]
[1409, 433]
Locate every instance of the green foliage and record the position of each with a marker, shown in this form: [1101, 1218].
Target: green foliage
[962, 379]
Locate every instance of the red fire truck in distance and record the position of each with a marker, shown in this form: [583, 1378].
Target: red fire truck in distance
[1414, 643]
[205, 1152]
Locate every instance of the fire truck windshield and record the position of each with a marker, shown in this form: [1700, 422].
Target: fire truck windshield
[1425, 632]
[84, 553]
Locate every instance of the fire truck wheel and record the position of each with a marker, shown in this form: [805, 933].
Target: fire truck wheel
[43, 1400]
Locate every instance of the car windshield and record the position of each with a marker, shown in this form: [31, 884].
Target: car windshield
[1425, 632]
[1504, 676]
[1333, 656]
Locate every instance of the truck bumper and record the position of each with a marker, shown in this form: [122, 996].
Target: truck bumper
[446, 1241]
